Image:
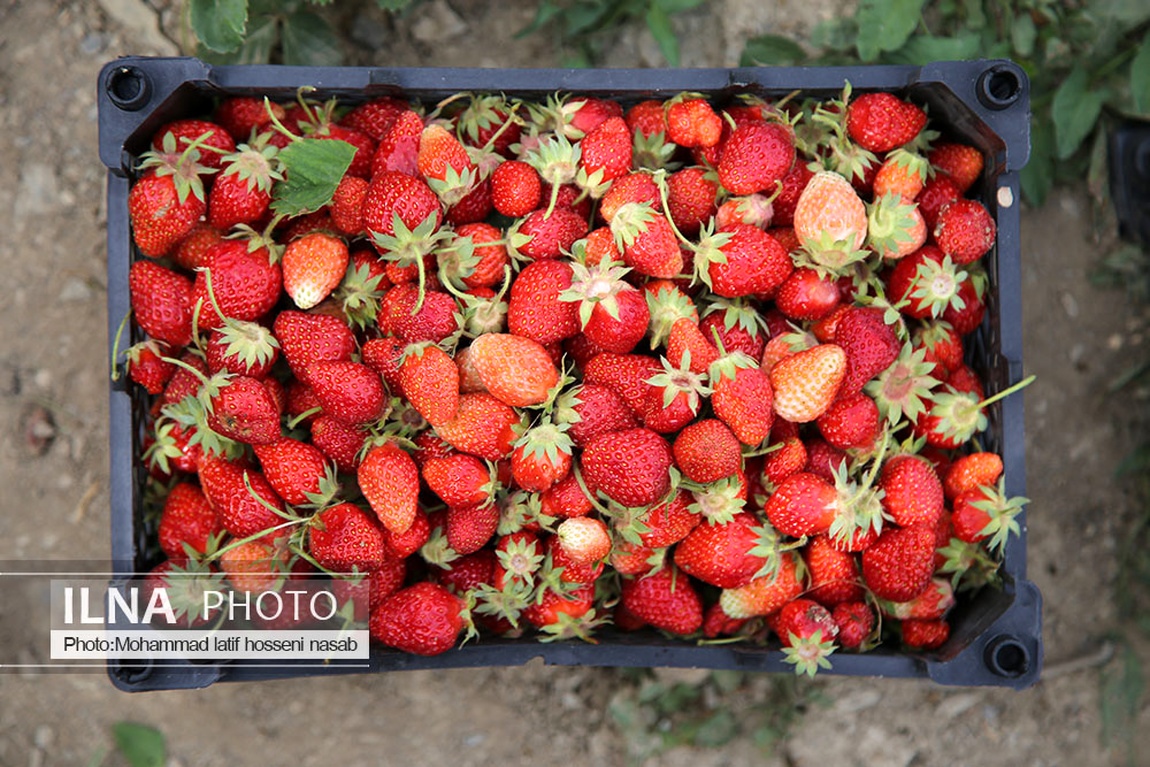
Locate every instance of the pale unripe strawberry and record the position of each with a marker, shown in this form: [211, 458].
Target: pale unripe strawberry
[584, 539]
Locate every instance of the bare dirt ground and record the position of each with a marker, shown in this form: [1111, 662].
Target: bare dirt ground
[56, 506]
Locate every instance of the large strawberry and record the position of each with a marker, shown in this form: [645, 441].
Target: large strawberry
[424, 619]
[343, 539]
[515, 370]
[312, 267]
[535, 309]
[755, 157]
[483, 426]
[899, 564]
[730, 555]
[188, 520]
[168, 199]
[706, 451]
[806, 383]
[245, 283]
[308, 339]
[741, 260]
[665, 599]
[881, 122]
[629, 467]
[429, 380]
[296, 470]
[389, 480]
[161, 302]
[349, 391]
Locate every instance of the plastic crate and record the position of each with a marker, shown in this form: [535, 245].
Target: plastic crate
[995, 637]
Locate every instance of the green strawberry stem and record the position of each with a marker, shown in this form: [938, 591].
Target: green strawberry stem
[299, 418]
[583, 486]
[276, 122]
[1006, 392]
[116, 345]
[253, 537]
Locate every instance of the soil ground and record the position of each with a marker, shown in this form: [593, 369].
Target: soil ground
[56, 506]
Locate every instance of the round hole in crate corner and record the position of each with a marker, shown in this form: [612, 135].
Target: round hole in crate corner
[128, 87]
[133, 672]
[1000, 86]
[1007, 657]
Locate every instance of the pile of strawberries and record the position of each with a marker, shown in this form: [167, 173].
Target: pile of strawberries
[541, 367]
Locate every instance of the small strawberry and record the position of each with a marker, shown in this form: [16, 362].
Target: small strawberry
[389, 480]
[429, 380]
[805, 384]
[807, 631]
[584, 540]
[469, 528]
[605, 155]
[881, 122]
[210, 136]
[691, 122]
[730, 555]
[402, 216]
[542, 456]
[424, 619]
[240, 115]
[535, 310]
[925, 635]
[852, 421]
[706, 451]
[255, 566]
[593, 410]
[515, 370]
[962, 163]
[741, 260]
[936, 194]
[912, 492]
[348, 391]
[834, 574]
[296, 470]
[804, 504]
[691, 196]
[646, 240]
[161, 302]
[742, 397]
[147, 366]
[930, 605]
[870, 344]
[926, 283]
[970, 472]
[902, 173]
[483, 426]
[898, 566]
[374, 117]
[399, 147]
[613, 314]
[688, 346]
[242, 409]
[341, 443]
[307, 339]
[965, 230]
[765, 594]
[985, 513]
[540, 235]
[755, 157]
[942, 343]
[665, 599]
[855, 621]
[241, 193]
[312, 267]
[638, 188]
[630, 467]
[807, 295]
[515, 189]
[187, 520]
[343, 539]
[895, 227]
[245, 283]
[460, 480]
[242, 513]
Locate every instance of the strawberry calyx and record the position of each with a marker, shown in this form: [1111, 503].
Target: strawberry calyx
[808, 654]
[182, 165]
[599, 285]
[903, 389]
[544, 441]
[681, 380]
[936, 285]
[708, 250]
[518, 510]
[566, 627]
[557, 161]
[858, 505]
[557, 115]
[668, 305]
[890, 220]
[457, 260]
[256, 240]
[960, 415]
[437, 551]
[830, 257]
[653, 152]
[256, 163]
[629, 221]
[520, 559]
[969, 565]
[717, 502]
[1002, 512]
[359, 295]
[407, 247]
[737, 313]
[507, 602]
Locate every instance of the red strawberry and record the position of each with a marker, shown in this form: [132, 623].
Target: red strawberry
[389, 480]
[666, 600]
[764, 594]
[899, 564]
[244, 410]
[881, 122]
[344, 539]
[374, 118]
[806, 383]
[402, 216]
[242, 348]
[539, 236]
[727, 555]
[399, 146]
[556, 612]
[670, 522]
[691, 122]
[930, 605]
[850, 422]
[294, 469]
[687, 337]
[807, 631]
[312, 267]
[459, 479]
[308, 339]
[871, 346]
[970, 472]
[606, 154]
[348, 391]
[424, 619]
[756, 156]
[191, 251]
[706, 451]
[962, 163]
[942, 343]
[434, 321]
[926, 635]
[469, 528]
[806, 295]
[594, 410]
[347, 205]
[535, 310]
[986, 513]
[147, 368]
[211, 135]
[964, 230]
[903, 174]
[855, 621]
[240, 513]
[515, 189]
[565, 499]
[741, 260]
[161, 302]
[429, 380]
[647, 118]
[912, 491]
[691, 199]
[834, 574]
[967, 318]
[935, 195]
[804, 504]
[624, 374]
[646, 240]
[188, 519]
[515, 370]
[629, 467]
[245, 284]
[613, 314]
[255, 566]
[339, 442]
[541, 457]
[241, 193]
[164, 205]
[183, 382]
[638, 187]
[742, 397]
[240, 115]
[482, 427]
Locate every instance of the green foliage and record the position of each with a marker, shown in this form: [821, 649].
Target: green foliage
[1086, 62]
[140, 745]
[313, 168]
[655, 715]
[580, 24]
[1121, 688]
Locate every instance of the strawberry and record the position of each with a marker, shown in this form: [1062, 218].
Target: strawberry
[467, 573]
[147, 367]
[347, 205]
[967, 318]
[986, 512]
[805, 384]
[255, 566]
[691, 122]
[793, 184]
[460, 480]
[727, 556]
[706, 451]
[807, 631]
[881, 122]
[754, 210]
[963, 164]
[970, 472]
[348, 391]
[187, 520]
[646, 240]
[804, 504]
[789, 459]
[673, 398]
[903, 174]
[542, 456]
[312, 267]
[483, 426]
[605, 156]
[755, 157]
[942, 343]
[167, 200]
[638, 188]
[834, 574]
[895, 227]
[402, 216]
[584, 539]
[242, 348]
[539, 236]
[634, 558]
[211, 135]
[925, 635]
[389, 480]
[469, 528]
[423, 619]
[241, 193]
[535, 310]
[183, 382]
[344, 539]
[565, 499]
[935, 195]
[399, 147]
[870, 345]
[687, 345]
[764, 594]
[190, 252]
[486, 122]
[242, 409]
[742, 397]
[429, 380]
[240, 115]
[931, 604]
[855, 621]
[691, 196]
[807, 295]
[308, 339]
[554, 611]
[898, 566]
[831, 222]
[912, 492]
[669, 522]
[374, 118]
[629, 466]
[515, 189]
[294, 469]
[665, 599]
[614, 315]
[241, 513]
[624, 374]
[852, 421]
[515, 370]
[593, 410]
[717, 623]
[926, 283]
[647, 118]
[737, 325]
[741, 260]
[245, 284]
[161, 302]
[965, 230]
[402, 314]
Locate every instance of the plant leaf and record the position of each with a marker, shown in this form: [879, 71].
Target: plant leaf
[263, 32]
[923, 49]
[678, 6]
[660, 25]
[219, 24]
[771, 50]
[1023, 33]
[313, 168]
[393, 5]
[141, 745]
[309, 41]
[885, 25]
[1120, 694]
[1075, 109]
[1140, 77]
[1038, 175]
[543, 14]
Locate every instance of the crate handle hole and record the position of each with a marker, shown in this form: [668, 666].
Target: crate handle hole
[134, 672]
[128, 88]
[999, 87]
[1008, 657]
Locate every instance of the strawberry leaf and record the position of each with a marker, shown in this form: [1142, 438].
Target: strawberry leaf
[884, 25]
[1075, 109]
[313, 169]
[219, 24]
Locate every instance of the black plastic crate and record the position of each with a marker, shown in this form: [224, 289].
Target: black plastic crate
[995, 637]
